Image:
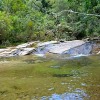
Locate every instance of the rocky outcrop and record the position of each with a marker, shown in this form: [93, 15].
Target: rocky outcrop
[23, 49]
[16, 52]
[75, 47]
[64, 47]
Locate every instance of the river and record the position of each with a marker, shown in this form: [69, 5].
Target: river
[53, 77]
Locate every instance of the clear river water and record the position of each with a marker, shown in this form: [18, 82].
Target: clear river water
[52, 77]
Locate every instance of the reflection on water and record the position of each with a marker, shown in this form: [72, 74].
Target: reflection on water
[78, 94]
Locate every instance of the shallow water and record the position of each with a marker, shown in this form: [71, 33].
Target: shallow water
[52, 77]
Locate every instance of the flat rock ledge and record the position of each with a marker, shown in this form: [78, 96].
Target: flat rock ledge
[74, 47]
[63, 47]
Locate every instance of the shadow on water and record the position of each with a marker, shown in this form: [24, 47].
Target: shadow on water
[63, 75]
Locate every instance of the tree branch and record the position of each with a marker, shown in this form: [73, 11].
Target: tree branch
[71, 11]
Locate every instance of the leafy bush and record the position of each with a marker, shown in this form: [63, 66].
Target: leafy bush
[27, 20]
[5, 26]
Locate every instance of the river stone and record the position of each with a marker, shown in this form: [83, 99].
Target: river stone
[3, 50]
[17, 52]
[62, 47]
[98, 52]
[26, 51]
[25, 45]
[6, 52]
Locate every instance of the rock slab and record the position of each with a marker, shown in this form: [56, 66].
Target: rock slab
[62, 47]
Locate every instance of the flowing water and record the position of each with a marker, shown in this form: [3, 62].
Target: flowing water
[53, 77]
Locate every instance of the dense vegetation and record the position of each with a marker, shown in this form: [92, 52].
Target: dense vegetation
[26, 20]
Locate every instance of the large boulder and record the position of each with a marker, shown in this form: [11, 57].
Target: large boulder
[63, 47]
[74, 47]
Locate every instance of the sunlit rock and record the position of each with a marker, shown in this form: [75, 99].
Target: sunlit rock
[75, 48]
[98, 52]
[62, 47]
[3, 50]
[25, 45]
[26, 51]
[46, 43]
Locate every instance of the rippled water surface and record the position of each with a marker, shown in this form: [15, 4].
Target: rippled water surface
[52, 77]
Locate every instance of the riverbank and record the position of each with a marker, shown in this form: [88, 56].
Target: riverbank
[72, 48]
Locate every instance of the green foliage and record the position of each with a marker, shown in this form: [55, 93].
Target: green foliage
[82, 25]
[5, 26]
[27, 20]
